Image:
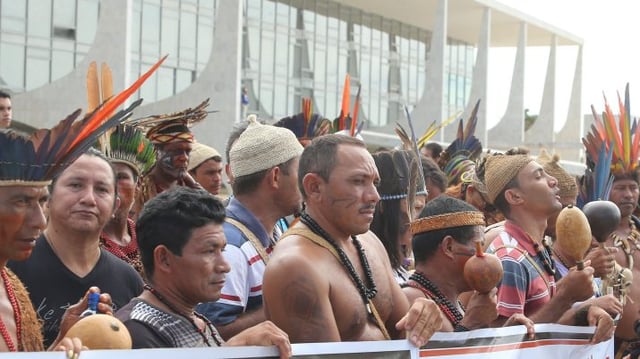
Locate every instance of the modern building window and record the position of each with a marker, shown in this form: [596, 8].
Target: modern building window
[184, 30]
[328, 41]
[41, 41]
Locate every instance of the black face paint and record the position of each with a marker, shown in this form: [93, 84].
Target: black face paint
[166, 162]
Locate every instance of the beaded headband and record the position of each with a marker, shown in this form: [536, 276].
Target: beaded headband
[389, 197]
[448, 220]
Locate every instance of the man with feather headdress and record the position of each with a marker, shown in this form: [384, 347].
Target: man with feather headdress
[30, 164]
[173, 140]
[130, 154]
[612, 162]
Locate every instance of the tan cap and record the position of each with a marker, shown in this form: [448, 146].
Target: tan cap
[199, 154]
[500, 170]
[261, 147]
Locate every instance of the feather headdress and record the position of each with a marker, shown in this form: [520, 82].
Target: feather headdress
[37, 159]
[306, 125]
[409, 144]
[174, 127]
[463, 152]
[127, 144]
[346, 123]
[124, 144]
[612, 150]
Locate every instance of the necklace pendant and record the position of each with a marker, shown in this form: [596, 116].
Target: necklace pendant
[369, 308]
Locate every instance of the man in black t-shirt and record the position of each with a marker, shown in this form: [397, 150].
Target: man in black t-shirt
[67, 258]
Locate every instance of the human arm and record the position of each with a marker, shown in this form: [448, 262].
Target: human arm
[481, 310]
[296, 298]
[514, 289]
[591, 315]
[263, 334]
[242, 322]
[602, 260]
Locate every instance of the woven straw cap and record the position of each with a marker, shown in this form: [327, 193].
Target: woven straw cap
[200, 153]
[566, 182]
[500, 170]
[261, 147]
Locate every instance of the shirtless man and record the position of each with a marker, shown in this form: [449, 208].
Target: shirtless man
[624, 194]
[329, 279]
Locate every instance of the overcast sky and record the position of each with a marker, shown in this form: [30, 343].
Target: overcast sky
[611, 55]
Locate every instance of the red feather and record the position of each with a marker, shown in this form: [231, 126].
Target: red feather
[107, 109]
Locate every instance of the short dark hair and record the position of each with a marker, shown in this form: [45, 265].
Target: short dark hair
[395, 179]
[170, 218]
[425, 244]
[95, 153]
[320, 156]
[435, 148]
[249, 183]
[433, 174]
[4, 94]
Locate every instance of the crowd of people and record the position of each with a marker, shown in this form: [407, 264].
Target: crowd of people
[318, 239]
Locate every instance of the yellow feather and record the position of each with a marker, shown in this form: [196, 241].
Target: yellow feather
[93, 88]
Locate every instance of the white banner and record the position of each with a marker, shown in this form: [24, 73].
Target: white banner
[552, 341]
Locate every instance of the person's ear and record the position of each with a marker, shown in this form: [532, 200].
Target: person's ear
[312, 184]
[446, 246]
[513, 196]
[161, 260]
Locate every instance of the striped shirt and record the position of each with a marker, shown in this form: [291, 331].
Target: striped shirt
[523, 288]
[242, 289]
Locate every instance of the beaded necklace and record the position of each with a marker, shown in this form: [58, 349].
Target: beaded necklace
[16, 315]
[448, 308]
[368, 291]
[214, 332]
[544, 255]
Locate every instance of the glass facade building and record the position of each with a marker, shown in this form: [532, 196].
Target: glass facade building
[291, 49]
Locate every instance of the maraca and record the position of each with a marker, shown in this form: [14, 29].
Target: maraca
[604, 218]
[573, 233]
[483, 271]
[101, 331]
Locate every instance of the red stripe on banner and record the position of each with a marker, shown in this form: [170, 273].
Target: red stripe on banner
[230, 297]
[424, 353]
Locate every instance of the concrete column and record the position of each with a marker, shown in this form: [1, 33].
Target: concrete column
[568, 143]
[430, 107]
[541, 132]
[509, 132]
[219, 80]
[45, 106]
[479, 87]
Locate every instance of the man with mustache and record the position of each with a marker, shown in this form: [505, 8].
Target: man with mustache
[329, 278]
[625, 193]
[264, 162]
[527, 195]
[173, 141]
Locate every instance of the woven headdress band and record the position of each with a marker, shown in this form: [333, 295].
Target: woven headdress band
[448, 220]
[169, 128]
